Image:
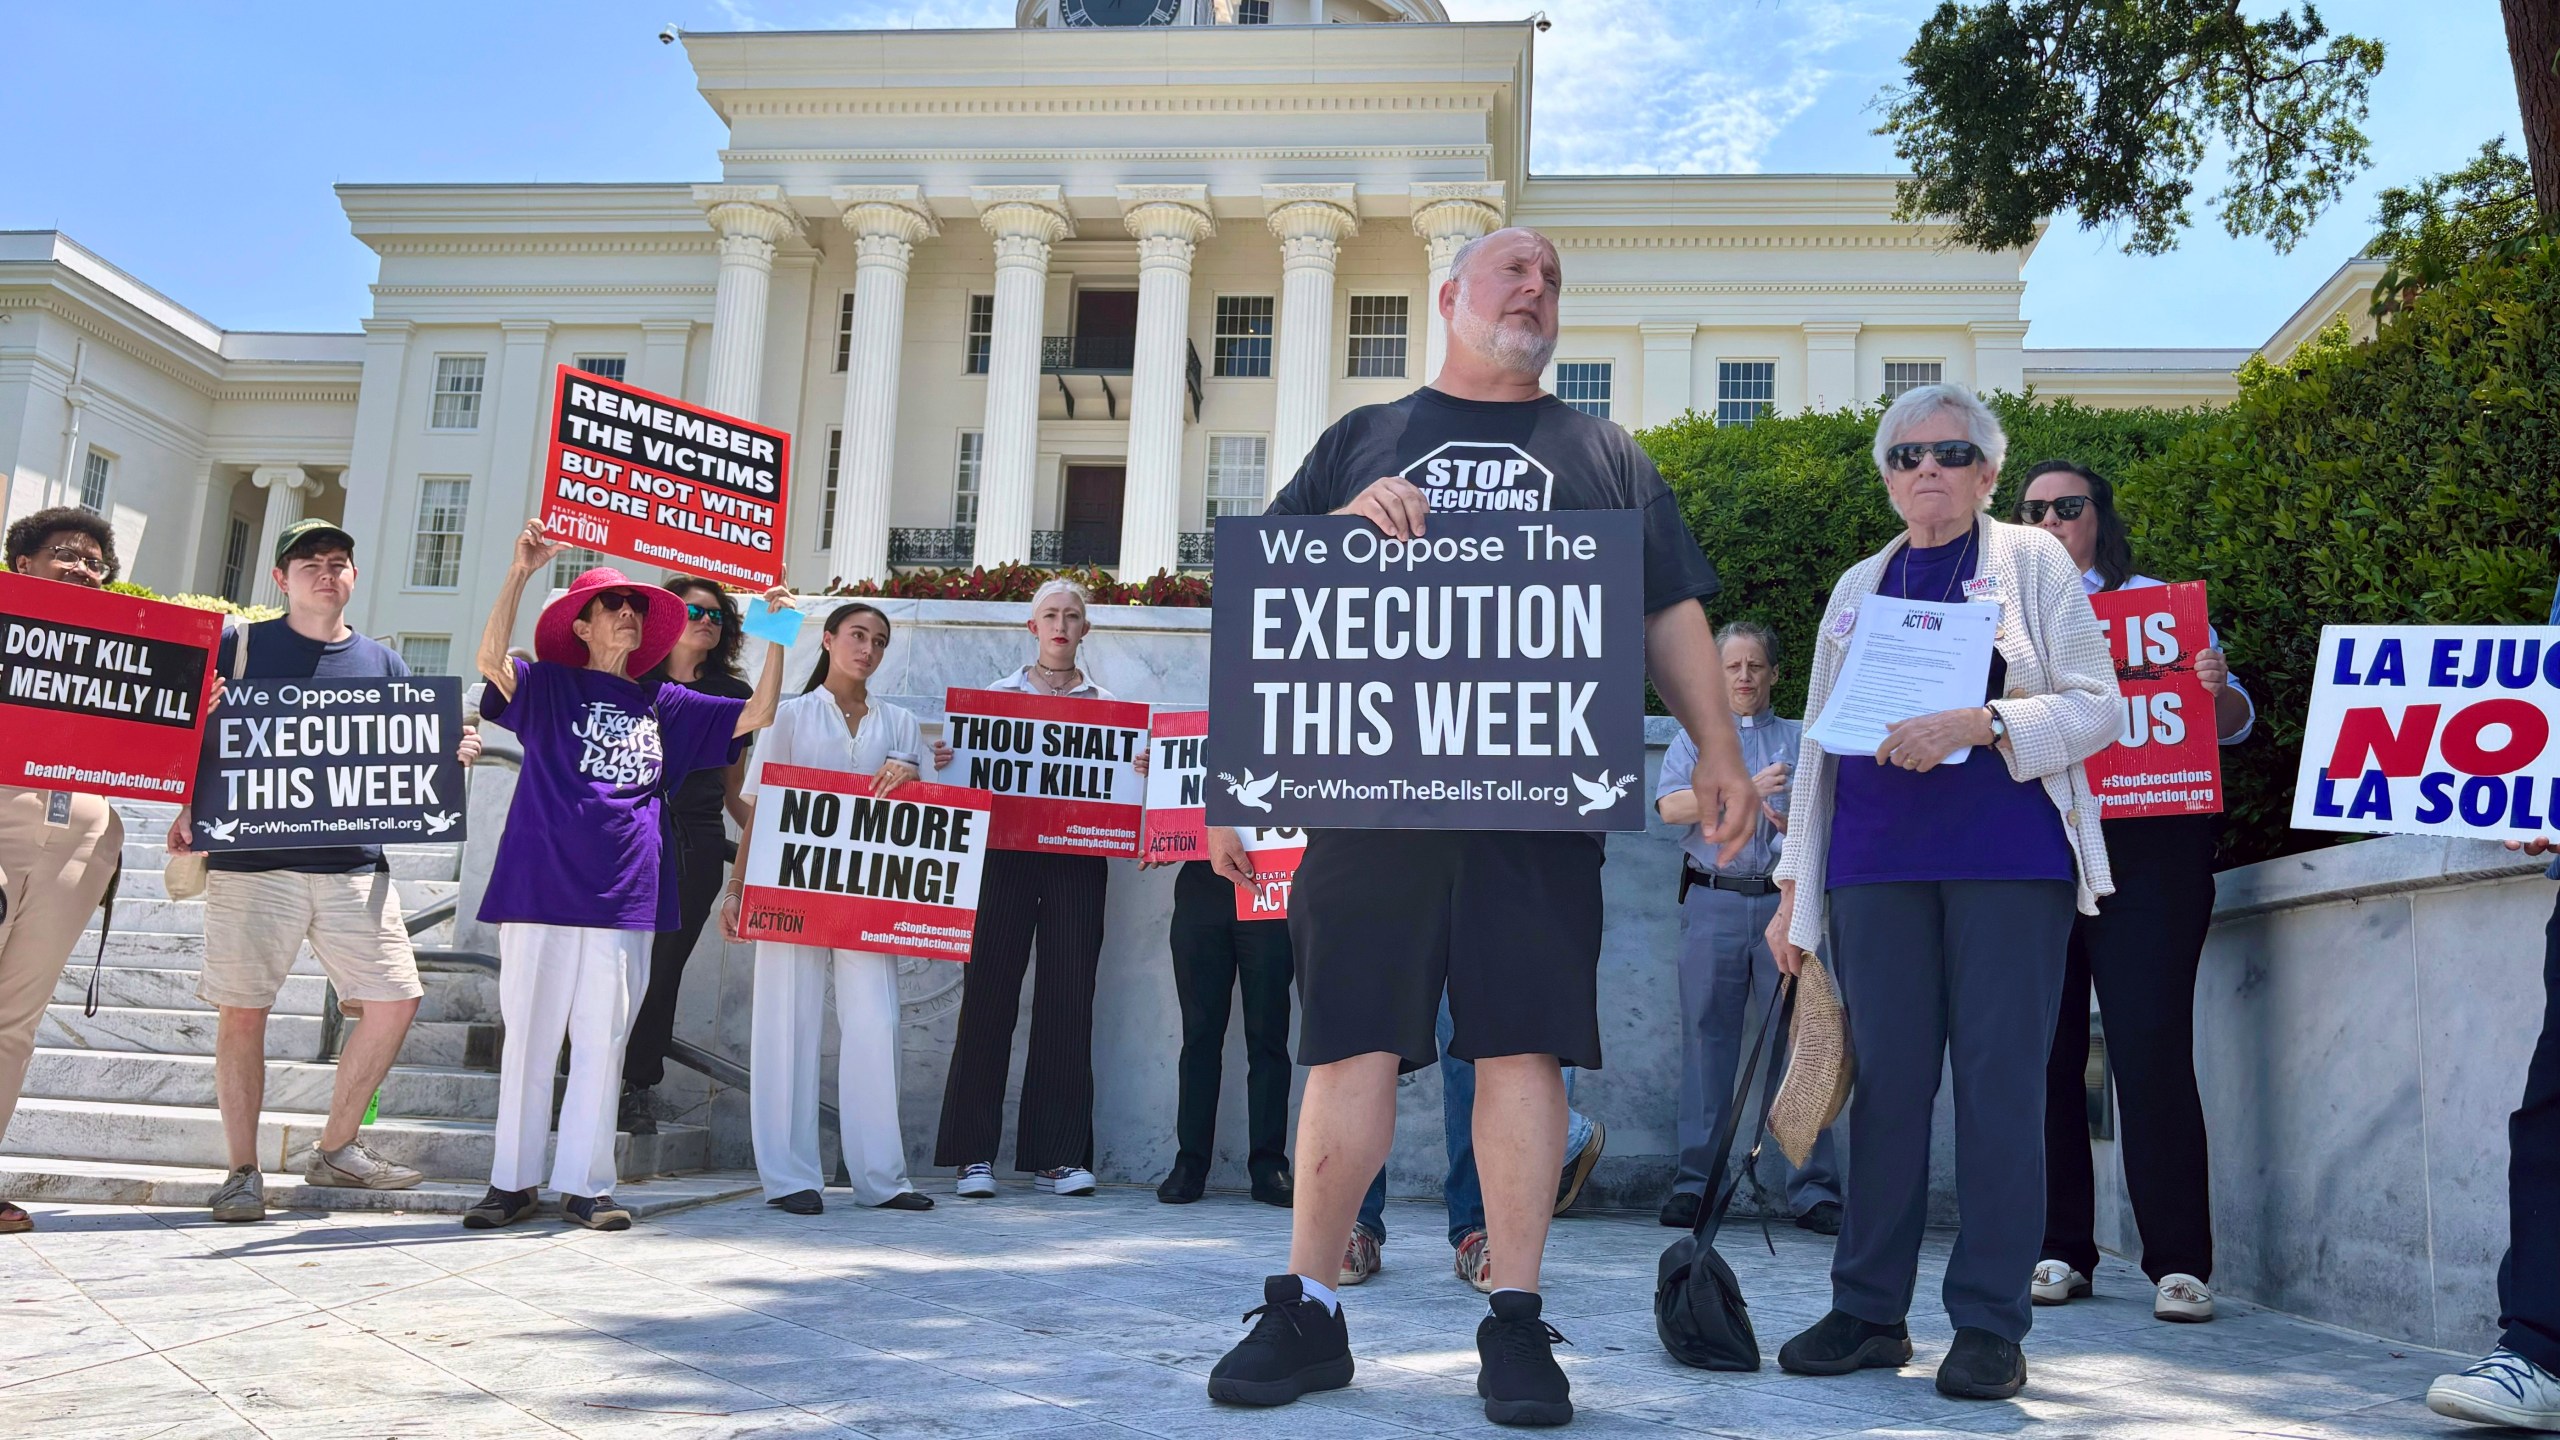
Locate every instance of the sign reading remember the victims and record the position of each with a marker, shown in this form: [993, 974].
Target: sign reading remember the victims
[832, 865]
[2432, 730]
[2166, 760]
[1486, 676]
[1175, 777]
[665, 483]
[1064, 772]
[332, 762]
[101, 692]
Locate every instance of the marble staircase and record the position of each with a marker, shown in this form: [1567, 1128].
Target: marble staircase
[119, 1106]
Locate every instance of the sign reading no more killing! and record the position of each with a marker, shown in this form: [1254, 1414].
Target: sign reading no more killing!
[333, 762]
[2166, 760]
[1063, 771]
[2432, 730]
[665, 483]
[1487, 676]
[101, 692]
[832, 865]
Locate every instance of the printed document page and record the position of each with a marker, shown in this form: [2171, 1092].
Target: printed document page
[1907, 658]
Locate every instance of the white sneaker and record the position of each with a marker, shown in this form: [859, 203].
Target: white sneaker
[976, 1182]
[2503, 1389]
[1066, 1180]
[356, 1167]
[2183, 1298]
[2056, 1283]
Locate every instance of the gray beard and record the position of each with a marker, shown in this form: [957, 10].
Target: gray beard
[1522, 354]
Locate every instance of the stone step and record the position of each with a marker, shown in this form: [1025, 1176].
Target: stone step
[37, 1182]
[289, 1037]
[451, 995]
[150, 949]
[191, 1135]
[186, 917]
[419, 1091]
[148, 855]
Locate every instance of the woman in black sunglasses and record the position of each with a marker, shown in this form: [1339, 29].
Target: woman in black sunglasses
[705, 658]
[2142, 950]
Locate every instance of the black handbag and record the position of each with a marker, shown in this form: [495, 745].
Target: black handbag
[1698, 1308]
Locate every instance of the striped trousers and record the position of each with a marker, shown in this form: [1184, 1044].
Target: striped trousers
[1058, 899]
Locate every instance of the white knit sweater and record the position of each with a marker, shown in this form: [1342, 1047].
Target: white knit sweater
[2061, 706]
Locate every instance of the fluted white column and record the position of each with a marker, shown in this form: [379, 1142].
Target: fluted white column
[284, 485]
[1169, 221]
[1447, 216]
[1311, 222]
[749, 218]
[1025, 221]
[888, 222]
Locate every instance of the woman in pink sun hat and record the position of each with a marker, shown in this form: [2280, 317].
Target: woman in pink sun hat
[582, 878]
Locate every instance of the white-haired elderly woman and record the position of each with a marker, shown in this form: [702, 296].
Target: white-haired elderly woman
[1943, 896]
[1056, 899]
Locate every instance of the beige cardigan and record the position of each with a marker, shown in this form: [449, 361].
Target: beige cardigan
[2062, 705]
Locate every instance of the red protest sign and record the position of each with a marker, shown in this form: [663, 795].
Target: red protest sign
[101, 692]
[2166, 761]
[829, 864]
[1176, 774]
[657, 480]
[1063, 772]
[1276, 853]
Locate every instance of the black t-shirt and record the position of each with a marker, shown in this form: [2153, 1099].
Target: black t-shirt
[1466, 454]
[279, 652]
[700, 796]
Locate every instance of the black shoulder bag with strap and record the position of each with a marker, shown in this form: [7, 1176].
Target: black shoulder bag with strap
[1698, 1308]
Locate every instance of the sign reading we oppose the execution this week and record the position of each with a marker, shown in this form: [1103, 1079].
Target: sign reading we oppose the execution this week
[2166, 760]
[1064, 772]
[2432, 730]
[101, 692]
[665, 483]
[832, 865]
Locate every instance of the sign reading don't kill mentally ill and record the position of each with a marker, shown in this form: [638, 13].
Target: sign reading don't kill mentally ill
[297, 763]
[832, 865]
[1488, 675]
[665, 483]
[2432, 730]
[1063, 771]
[101, 692]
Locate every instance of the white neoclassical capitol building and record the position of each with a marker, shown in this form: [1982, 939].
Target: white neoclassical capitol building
[1061, 293]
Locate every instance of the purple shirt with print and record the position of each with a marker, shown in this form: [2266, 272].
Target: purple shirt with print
[585, 840]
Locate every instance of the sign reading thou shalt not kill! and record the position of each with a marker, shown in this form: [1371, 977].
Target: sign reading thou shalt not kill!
[830, 864]
[1488, 675]
[665, 483]
[333, 762]
[1177, 775]
[101, 692]
[1064, 772]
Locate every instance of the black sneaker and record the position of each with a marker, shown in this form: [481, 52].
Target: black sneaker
[1521, 1382]
[1299, 1346]
[1680, 1212]
[799, 1202]
[1982, 1366]
[501, 1207]
[637, 1114]
[594, 1212]
[1822, 1218]
[1839, 1343]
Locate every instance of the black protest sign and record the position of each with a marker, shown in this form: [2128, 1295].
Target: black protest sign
[1486, 676]
[657, 480]
[302, 763]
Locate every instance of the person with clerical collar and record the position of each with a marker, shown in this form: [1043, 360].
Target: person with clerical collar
[1724, 953]
[58, 848]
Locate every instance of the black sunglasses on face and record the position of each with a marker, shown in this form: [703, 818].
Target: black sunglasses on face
[2069, 507]
[712, 613]
[614, 601]
[1954, 454]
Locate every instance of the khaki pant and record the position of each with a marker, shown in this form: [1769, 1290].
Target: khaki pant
[53, 876]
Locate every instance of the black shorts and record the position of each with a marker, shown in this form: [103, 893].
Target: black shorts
[1508, 921]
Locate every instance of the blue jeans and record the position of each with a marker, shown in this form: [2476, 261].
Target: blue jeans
[1460, 1190]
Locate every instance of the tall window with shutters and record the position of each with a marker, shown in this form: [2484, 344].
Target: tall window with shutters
[94, 475]
[827, 489]
[980, 339]
[844, 331]
[1239, 468]
[435, 548]
[456, 405]
[1241, 346]
[1378, 333]
[235, 561]
[964, 478]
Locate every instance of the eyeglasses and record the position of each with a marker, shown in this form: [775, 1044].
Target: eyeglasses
[1954, 454]
[712, 613]
[614, 601]
[2069, 507]
[70, 555]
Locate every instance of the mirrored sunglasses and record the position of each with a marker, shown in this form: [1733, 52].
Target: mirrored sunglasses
[2069, 507]
[712, 613]
[1953, 454]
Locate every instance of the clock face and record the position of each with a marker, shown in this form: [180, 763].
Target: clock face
[1118, 12]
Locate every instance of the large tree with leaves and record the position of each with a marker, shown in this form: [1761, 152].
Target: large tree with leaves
[2014, 110]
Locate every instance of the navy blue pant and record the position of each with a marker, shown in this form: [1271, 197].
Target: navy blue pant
[2529, 1278]
[1961, 971]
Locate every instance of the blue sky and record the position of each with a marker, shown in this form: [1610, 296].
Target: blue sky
[195, 145]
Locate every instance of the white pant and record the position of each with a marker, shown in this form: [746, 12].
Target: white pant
[556, 982]
[790, 999]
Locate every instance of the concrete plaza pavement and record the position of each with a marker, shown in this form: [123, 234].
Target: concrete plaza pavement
[1028, 1315]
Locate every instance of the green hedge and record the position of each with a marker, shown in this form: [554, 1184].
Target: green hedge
[2413, 478]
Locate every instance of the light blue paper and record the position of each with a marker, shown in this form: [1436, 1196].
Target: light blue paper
[765, 623]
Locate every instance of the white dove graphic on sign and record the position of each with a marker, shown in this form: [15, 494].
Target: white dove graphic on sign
[442, 821]
[220, 831]
[1249, 791]
[1602, 793]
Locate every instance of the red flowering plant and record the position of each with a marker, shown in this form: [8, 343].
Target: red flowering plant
[1021, 582]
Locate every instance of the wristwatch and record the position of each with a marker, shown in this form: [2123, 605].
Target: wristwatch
[1999, 727]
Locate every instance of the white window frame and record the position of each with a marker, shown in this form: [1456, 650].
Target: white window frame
[1251, 504]
[588, 364]
[420, 534]
[1351, 337]
[238, 539]
[1602, 408]
[969, 333]
[97, 479]
[402, 642]
[437, 394]
[1218, 337]
[571, 563]
[1768, 404]
[834, 461]
[1891, 394]
[968, 476]
[844, 333]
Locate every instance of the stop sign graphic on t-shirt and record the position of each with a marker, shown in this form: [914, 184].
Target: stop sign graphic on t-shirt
[1482, 475]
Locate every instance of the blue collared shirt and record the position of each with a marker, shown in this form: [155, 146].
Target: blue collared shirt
[1767, 738]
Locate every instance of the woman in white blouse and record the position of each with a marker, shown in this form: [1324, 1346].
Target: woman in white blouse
[833, 724]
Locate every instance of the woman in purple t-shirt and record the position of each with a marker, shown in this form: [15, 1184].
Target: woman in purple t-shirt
[582, 879]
